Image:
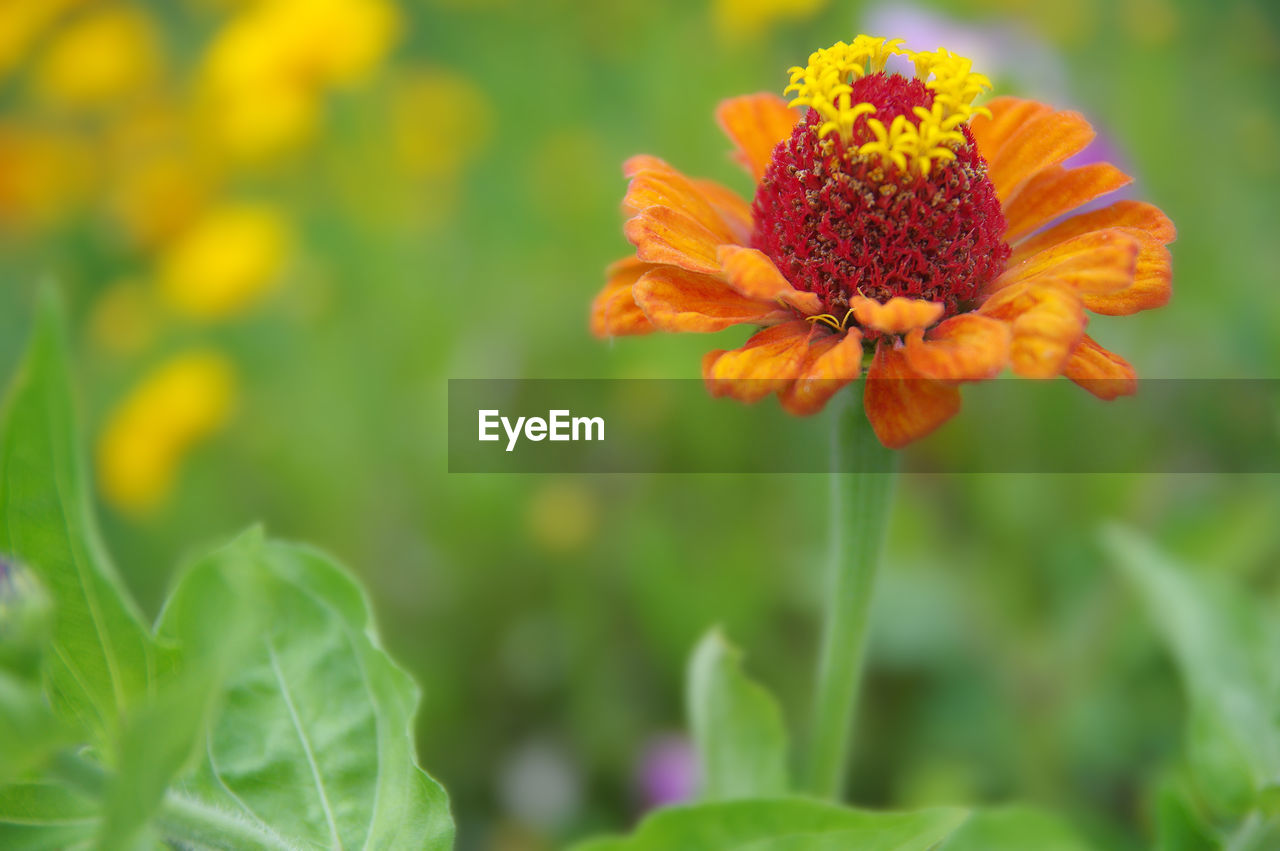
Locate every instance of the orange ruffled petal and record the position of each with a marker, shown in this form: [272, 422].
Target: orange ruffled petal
[968, 347]
[804, 303]
[1104, 374]
[732, 211]
[753, 274]
[1057, 191]
[1100, 261]
[679, 300]
[640, 162]
[1047, 320]
[735, 212]
[898, 315]
[614, 312]
[1139, 215]
[1039, 144]
[664, 235]
[665, 187]
[1008, 115]
[901, 404]
[756, 124]
[1151, 283]
[829, 364]
[766, 363]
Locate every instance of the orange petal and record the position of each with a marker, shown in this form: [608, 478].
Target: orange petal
[651, 187]
[1047, 320]
[1103, 373]
[1125, 214]
[768, 362]
[752, 273]
[756, 124]
[802, 302]
[1040, 143]
[1152, 283]
[898, 315]
[1056, 191]
[1101, 261]
[614, 312]
[679, 300]
[1008, 114]
[642, 162]
[735, 212]
[829, 364]
[901, 404]
[664, 235]
[969, 347]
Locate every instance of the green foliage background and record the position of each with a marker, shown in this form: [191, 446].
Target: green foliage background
[1010, 659]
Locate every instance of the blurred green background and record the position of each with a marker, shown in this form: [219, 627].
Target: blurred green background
[283, 224]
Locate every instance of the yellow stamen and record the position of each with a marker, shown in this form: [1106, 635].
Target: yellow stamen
[825, 86]
[829, 320]
[825, 319]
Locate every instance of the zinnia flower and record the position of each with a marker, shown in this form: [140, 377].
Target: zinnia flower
[896, 221]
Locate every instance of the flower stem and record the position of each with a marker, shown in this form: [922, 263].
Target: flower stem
[859, 510]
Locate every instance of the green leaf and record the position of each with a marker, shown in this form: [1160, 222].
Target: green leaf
[1015, 829]
[312, 742]
[102, 656]
[38, 816]
[261, 714]
[737, 726]
[784, 824]
[1178, 826]
[156, 740]
[1226, 653]
[218, 609]
[29, 731]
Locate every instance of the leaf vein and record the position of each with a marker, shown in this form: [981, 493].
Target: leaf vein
[244, 805]
[91, 602]
[306, 744]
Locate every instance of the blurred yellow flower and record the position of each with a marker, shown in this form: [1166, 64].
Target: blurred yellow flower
[225, 262]
[123, 319]
[160, 175]
[441, 120]
[311, 43]
[265, 123]
[561, 516]
[99, 59]
[25, 22]
[155, 196]
[43, 175]
[147, 437]
[745, 19]
[265, 72]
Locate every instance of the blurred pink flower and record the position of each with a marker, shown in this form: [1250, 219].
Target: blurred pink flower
[667, 772]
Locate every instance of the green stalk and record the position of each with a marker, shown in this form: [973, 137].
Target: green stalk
[187, 821]
[859, 511]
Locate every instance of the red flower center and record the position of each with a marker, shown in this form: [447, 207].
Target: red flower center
[839, 224]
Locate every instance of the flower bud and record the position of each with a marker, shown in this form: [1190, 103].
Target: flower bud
[26, 618]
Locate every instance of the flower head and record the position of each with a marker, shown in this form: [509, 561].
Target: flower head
[893, 220]
[177, 406]
[227, 261]
[265, 74]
